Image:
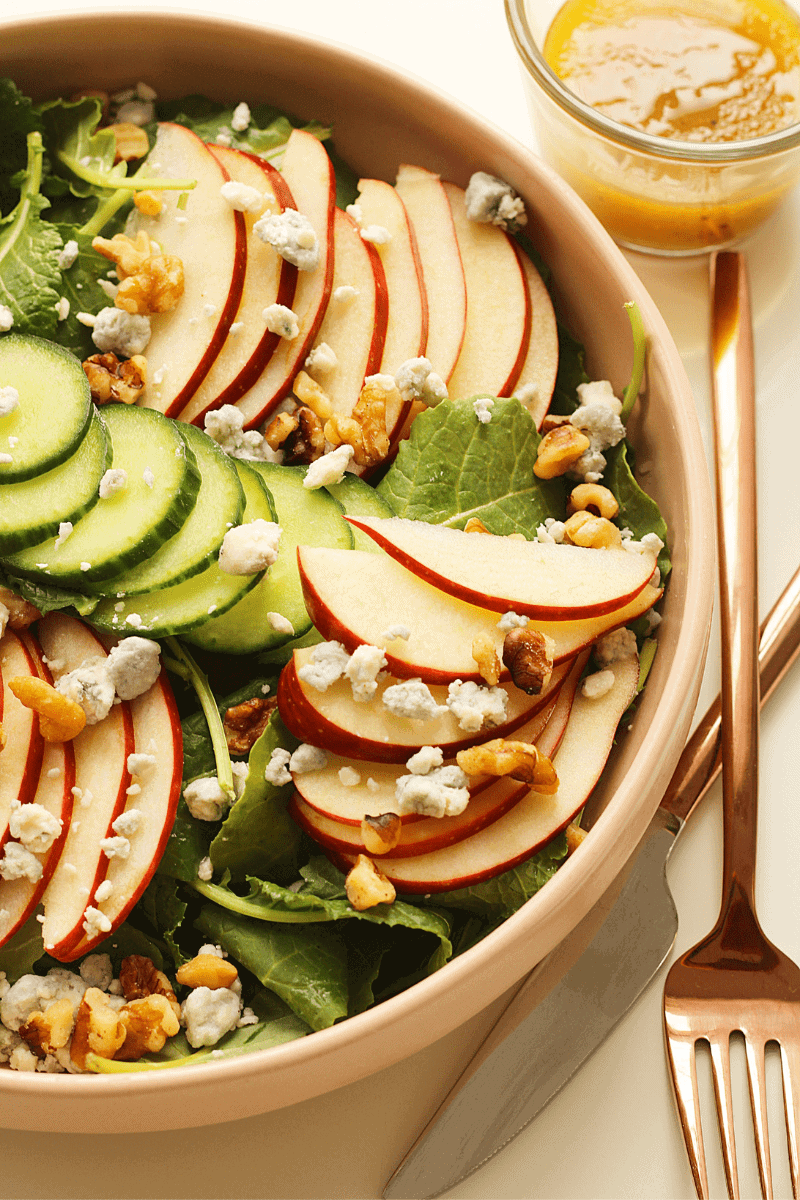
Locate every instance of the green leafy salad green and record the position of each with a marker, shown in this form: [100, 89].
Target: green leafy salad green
[272, 900]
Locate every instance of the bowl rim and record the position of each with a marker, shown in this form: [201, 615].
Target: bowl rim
[703, 154]
[593, 874]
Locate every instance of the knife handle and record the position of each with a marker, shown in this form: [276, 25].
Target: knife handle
[701, 761]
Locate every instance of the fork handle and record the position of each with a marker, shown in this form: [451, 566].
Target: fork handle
[733, 400]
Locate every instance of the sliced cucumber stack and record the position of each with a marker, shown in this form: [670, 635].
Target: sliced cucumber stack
[33, 509]
[310, 517]
[29, 436]
[186, 605]
[162, 482]
[219, 505]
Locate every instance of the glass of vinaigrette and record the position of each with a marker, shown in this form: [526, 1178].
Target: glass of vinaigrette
[677, 121]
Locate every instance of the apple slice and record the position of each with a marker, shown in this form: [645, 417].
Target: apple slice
[209, 238]
[353, 596]
[498, 307]
[553, 732]
[308, 173]
[102, 777]
[536, 818]
[536, 381]
[269, 279]
[157, 732]
[550, 582]
[19, 897]
[336, 722]
[21, 757]
[428, 208]
[356, 329]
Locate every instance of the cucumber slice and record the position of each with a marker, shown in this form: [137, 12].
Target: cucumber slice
[129, 526]
[359, 499]
[33, 509]
[185, 605]
[220, 504]
[312, 517]
[54, 410]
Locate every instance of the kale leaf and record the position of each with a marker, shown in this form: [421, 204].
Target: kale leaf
[18, 118]
[29, 249]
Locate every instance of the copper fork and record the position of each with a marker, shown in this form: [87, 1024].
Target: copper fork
[735, 980]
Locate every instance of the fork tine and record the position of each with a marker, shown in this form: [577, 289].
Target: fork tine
[757, 1078]
[790, 1064]
[721, 1063]
[683, 1064]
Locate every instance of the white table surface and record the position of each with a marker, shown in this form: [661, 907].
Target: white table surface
[612, 1132]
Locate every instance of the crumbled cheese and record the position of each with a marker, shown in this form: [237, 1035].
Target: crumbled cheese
[145, 92]
[240, 771]
[205, 870]
[110, 289]
[425, 760]
[22, 1059]
[9, 400]
[86, 566]
[6, 458]
[236, 328]
[373, 785]
[19, 863]
[483, 409]
[328, 662]
[68, 255]
[4, 618]
[224, 426]
[133, 666]
[208, 1014]
[34, 993]
[356, 212]
[293, 237]
[141, 764]
[122, 332]
[413, 699]
[307, 758]
[241, 117]
[330, 468]
[597, 685]
[348, 777]
[95, 922]
[242, 197]
[511, 620]
[148, 477]
[104, 891]
[386, 383]
[6, 318]
[599, 420]
[115, 847]
[133, 790]
[344, 293]
[474, 706]
[363, 667]
[394, 632]
[91, 686]
[210, 948]
[96, 971]
[321, 359]
[444, 792]
[490, 200]
[248, 1017]
[653, 619]
[551, 531]
[417, 380]
[248, 549]
[280, 624]
[281, 320]
[134, 620]
[205, 799]
[528, 394]
[64, 530]
[224, 137]
[127, 822]
[137, 112]
[614, 646]
[34, 826]
[114, 480]
[599, 391]
[378, 235]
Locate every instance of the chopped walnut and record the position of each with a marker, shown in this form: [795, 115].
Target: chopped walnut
[382, 833]
[552, 421]
[520, 760]
[98, 1028]
[21, 613]
[309, 392]
[575, 835]
[113, 380]
[527, 655]
[370, 413]
[139, 977]
[207, 970]
[147, 1023]
[475, 525]
[245, 723]
[279, 429]
[150, 283]
[132, 142]
[485, 656]
[366, 886]
[307, 443]
[128, 254]
[48, 1031]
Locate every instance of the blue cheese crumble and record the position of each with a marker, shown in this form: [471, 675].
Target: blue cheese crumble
[292, 235]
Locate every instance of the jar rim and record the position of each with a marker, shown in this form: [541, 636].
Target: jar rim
[705, 153]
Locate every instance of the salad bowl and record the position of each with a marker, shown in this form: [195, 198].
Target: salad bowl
[381, 119]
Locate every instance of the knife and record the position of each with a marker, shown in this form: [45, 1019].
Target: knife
[570, 1003]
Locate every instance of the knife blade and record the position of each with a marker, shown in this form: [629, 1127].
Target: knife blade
[570, 1003]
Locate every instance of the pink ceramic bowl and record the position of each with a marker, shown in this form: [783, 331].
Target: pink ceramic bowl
[382, 118]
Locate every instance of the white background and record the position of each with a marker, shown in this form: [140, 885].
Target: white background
[612, 1132]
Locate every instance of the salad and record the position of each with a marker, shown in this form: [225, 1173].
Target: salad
[325, 580]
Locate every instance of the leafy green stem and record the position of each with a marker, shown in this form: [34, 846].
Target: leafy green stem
[105, 179]
[639, 352]
[239, 904]
[109, 1066]
[184, 665]
[30, 189]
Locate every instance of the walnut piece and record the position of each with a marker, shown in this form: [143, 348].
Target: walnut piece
[365, 429]
[307, 443]
[150, 282]
[485, 656]
[139, 977]
[98, 1028]
[131, 141]
[575, 835]
[113, 380]
[519, 760]
[147, 1023]
[382, 833]
[475, 525]
[207, 970]
[309, 392]
[21, 613]
[48, 1031]
[60, 718]
[527, 655]
[366, 886]
[279, 429]
[244, 723]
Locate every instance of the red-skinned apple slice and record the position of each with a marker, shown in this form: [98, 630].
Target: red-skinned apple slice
[19, 897]
[209, 238]
[355, 330]
[335, 721]
[425, 199]
[309, 175]
[546, 581]
[498, 307]
[536, 818]
[157, 732]
[101, 774]
[534, 387]
[21, 758]
[268, 279]
[353, 597]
